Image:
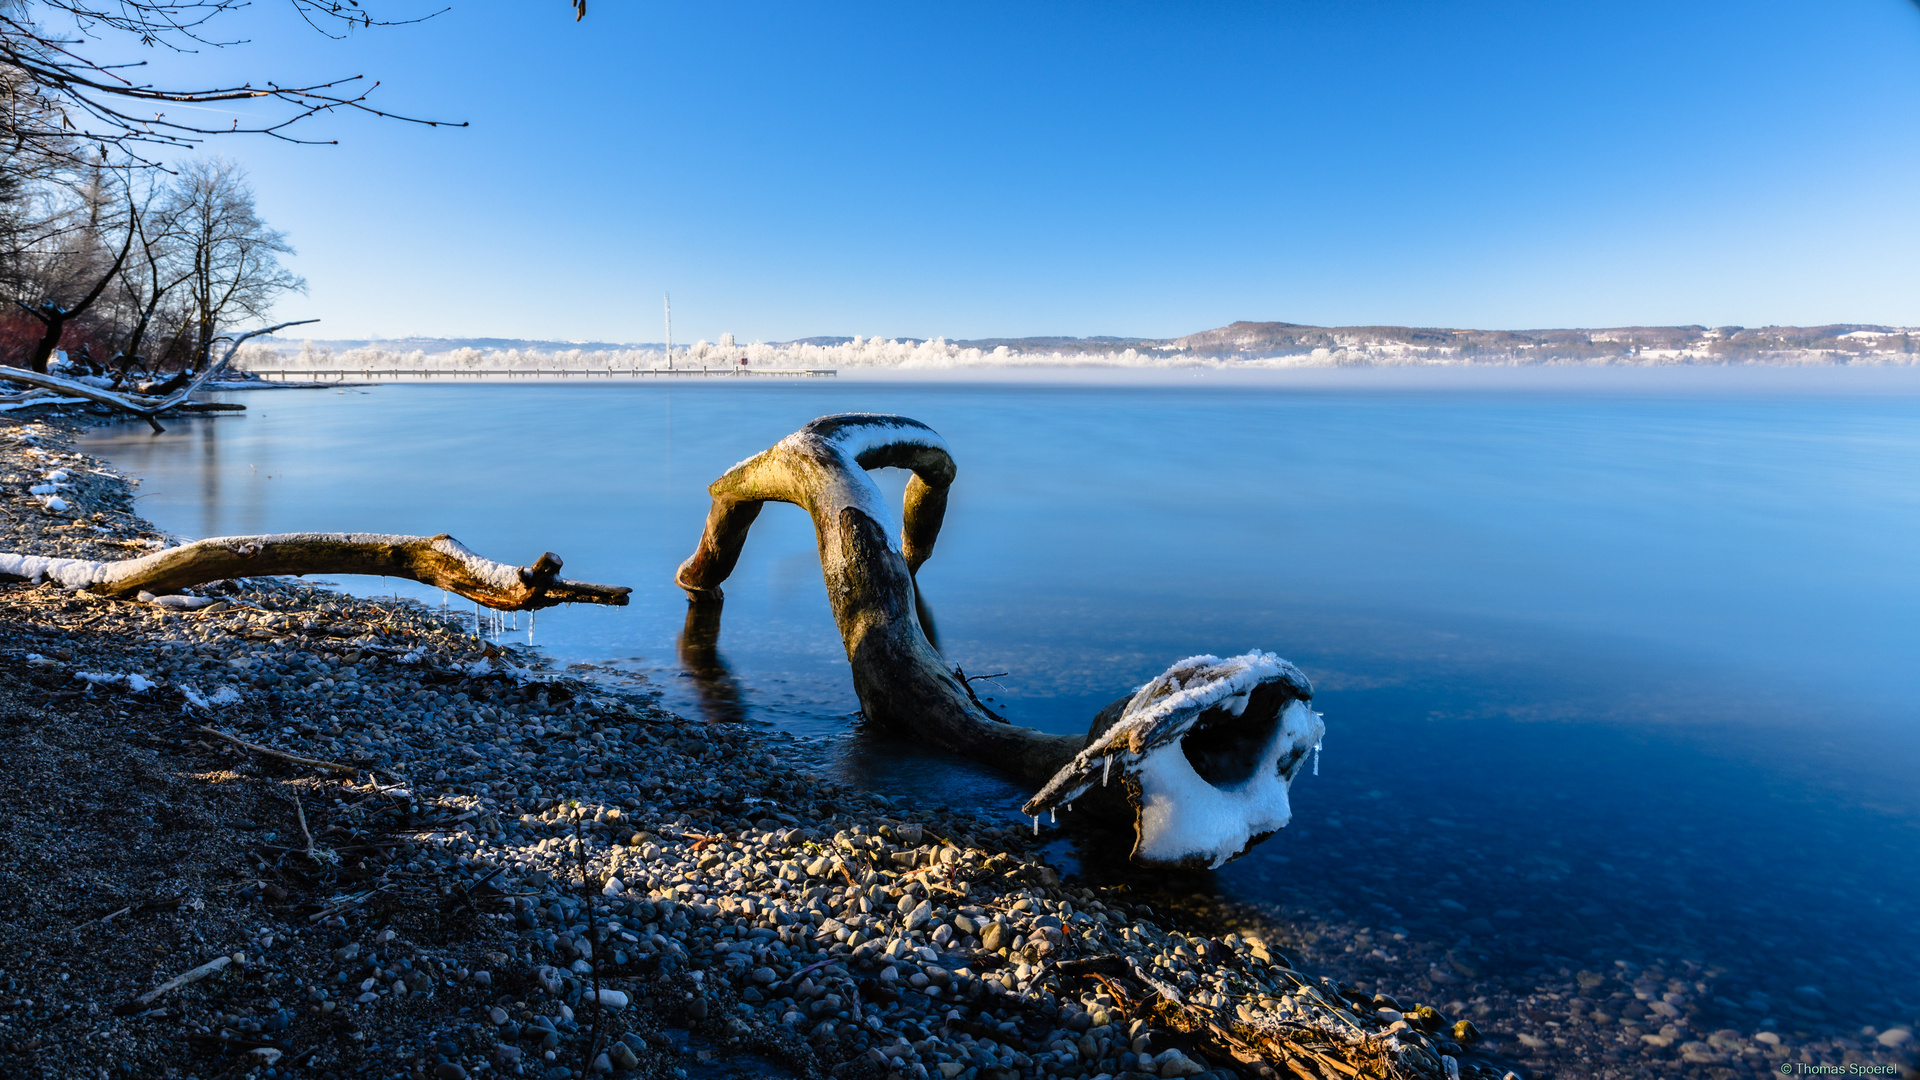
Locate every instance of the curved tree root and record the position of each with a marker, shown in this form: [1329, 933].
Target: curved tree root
[432, 560]
[1204, 753]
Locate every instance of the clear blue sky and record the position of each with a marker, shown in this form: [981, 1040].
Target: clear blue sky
[990, 169]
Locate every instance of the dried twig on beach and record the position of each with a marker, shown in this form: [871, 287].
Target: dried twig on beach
[175, 983]
[255, 748]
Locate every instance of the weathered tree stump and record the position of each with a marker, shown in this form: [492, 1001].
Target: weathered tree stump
[1204, 753]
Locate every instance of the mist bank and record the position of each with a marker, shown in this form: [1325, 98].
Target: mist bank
[1241, 345]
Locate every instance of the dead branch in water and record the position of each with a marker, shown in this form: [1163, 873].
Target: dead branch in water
[1203, 754]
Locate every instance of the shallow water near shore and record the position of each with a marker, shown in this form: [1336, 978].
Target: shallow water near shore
[1615, 682]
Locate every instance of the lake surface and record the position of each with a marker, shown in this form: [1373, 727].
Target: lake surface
[1617, 672]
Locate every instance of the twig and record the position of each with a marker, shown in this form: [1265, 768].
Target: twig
[145, 905]
[966, 683]
[281, 754]
[175, 983]
[1158, 987]
[110, 916]
[593, 941]
[354, 902]
[466, 892]
[147, 408]
[809, 969]
[302, 815]
[1120, 997]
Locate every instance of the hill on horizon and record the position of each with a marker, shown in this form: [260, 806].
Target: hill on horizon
[1269, 343]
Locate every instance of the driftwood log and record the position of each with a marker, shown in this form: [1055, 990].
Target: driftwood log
[1203, 754]
[432, 560]
[147, 408]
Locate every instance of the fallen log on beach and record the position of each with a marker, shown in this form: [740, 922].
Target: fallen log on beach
[440, 560]
[148, 408]
[1203, 754]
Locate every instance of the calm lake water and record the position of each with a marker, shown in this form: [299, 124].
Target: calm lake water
[1618, 671]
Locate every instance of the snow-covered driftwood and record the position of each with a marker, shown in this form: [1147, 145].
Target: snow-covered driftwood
[1205, 753]
[147, 408]
[433, 560]
[1202, 755]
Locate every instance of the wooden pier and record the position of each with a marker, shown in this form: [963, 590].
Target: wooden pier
[372, 373]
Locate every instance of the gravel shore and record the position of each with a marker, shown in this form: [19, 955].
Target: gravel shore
[293, 833]
[389, 848]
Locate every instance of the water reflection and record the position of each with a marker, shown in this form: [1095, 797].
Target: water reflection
[718, 692]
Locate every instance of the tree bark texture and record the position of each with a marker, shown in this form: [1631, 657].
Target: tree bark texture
[1203, 754]
[901, 680]
[432, 560]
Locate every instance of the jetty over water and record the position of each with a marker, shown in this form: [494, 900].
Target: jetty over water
[370, 373]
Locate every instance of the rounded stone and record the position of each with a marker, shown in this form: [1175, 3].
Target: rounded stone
[1175, 1063]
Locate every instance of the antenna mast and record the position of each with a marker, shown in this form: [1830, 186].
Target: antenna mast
[668, 299]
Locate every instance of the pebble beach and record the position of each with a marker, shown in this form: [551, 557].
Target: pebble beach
[273, 830]
[342, 837]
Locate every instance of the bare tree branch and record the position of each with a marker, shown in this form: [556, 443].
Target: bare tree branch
[65, 100]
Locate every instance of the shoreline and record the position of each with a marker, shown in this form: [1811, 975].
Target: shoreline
[1677, 380]
[1585, 1007]
[426, 915]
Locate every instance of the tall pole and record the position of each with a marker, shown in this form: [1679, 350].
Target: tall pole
[668, 299]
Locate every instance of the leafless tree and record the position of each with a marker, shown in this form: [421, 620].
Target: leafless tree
[228, 257]
[74, 238]
[148, 298]
[54, 315]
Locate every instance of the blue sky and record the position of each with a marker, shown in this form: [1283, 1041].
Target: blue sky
[1120, 168]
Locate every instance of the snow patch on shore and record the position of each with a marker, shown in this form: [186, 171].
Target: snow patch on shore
[133, 681]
